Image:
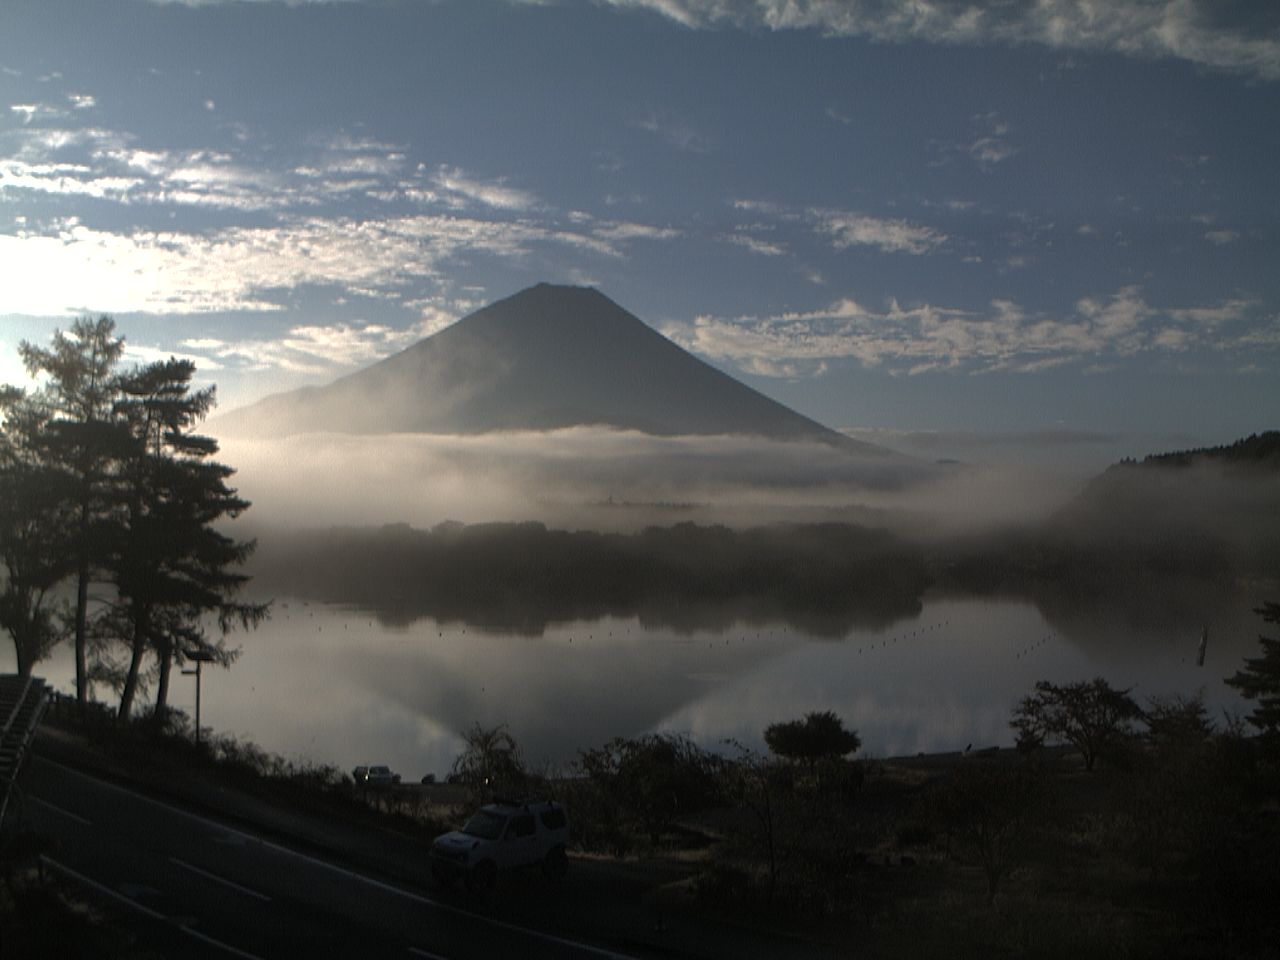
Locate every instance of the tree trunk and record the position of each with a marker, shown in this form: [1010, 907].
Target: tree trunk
[25, 663]
[164, 653]
[82, 613]
[135, 665]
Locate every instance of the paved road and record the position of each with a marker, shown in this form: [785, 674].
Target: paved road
[209, 889]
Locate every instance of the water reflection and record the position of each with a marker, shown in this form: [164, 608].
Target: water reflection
[338, 685]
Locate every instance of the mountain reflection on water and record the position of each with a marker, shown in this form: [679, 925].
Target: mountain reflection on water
[341, 685]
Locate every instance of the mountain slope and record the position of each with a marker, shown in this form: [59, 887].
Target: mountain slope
[548, 357]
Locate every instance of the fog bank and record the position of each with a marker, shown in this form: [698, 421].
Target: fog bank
[605, 479]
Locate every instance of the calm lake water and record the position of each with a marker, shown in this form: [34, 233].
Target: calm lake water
[338, 685]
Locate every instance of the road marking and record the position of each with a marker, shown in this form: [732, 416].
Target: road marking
[66, 813]
[419, 952]
[143, 909]
[222, 880]
[361, 878]
[234, 951]
[103, 888]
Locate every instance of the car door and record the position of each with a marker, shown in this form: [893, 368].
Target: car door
[520, 842]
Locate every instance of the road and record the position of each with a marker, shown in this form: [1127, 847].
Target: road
[206, 888]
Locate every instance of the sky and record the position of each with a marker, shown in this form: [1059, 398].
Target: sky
[1042, 231]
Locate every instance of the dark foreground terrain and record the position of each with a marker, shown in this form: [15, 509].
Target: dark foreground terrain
[1169, 847]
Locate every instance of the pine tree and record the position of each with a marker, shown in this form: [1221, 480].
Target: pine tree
[169, 564]
[83, 442]
[1260, 678]
[34, 528]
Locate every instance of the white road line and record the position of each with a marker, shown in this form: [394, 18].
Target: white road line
[234, 951]
[222, 880]
[361, 878]
[143, 909]
[66, 813]
[419, 952]
[103, 888]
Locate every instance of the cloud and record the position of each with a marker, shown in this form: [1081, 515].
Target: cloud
[1220, 238]
[621, 230]
[81, 268]
[762, 247]
[680, 133]
[1192, 30]
[311, 349]
[927, 337]
[497, 195]
[892, 236]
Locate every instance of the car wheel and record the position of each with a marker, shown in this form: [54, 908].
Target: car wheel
[555, 864]
[482, 878]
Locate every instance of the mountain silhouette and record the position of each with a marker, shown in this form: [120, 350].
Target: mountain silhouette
[547, 358]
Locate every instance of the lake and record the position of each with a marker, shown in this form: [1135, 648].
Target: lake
[340, 685]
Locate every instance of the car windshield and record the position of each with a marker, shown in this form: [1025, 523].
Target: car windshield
[485, 825]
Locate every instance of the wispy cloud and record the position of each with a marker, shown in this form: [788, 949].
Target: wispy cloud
[491, 194]
[81, 268]
[678, 132]
[1190, 30]
[764, 248]
[890, 235]
[927, 337]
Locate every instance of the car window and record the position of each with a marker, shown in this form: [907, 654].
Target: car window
[523, 826]
[485, 825]
[552, 819]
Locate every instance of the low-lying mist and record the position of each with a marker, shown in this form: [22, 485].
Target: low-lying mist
[612, 480]
[520, 530]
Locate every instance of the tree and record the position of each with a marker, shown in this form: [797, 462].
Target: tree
[169, 564]
[1090, 715]
[989, 811]
[33, 528]
[818, 736]
[764, 787]
[83, 441]
[651, 780]
[1260, 678]
[491, 762]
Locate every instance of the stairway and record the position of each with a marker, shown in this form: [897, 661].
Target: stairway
[23, 701]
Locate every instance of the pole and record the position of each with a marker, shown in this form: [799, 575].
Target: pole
[199, 665]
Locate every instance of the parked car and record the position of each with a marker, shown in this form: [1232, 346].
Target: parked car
[375, 776]
[500, 836]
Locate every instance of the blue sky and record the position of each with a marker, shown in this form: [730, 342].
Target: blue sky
[1045, 230]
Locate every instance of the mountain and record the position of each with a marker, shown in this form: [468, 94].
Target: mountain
[1210, 511]
[548, 357]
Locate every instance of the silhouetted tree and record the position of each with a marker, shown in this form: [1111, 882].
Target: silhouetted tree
[1260, 678]
[170, 566]
[818, 736]
[491, 763]
[1175, 785]
[989, 810]
[34, 528]
[84, 441]
[1090, 715]
[764, 787]
[651, 780]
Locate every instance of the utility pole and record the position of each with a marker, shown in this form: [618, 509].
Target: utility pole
[200, 656]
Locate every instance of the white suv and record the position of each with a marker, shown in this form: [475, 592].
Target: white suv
[500, 835]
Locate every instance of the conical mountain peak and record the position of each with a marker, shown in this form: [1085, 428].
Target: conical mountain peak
[548, 357]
